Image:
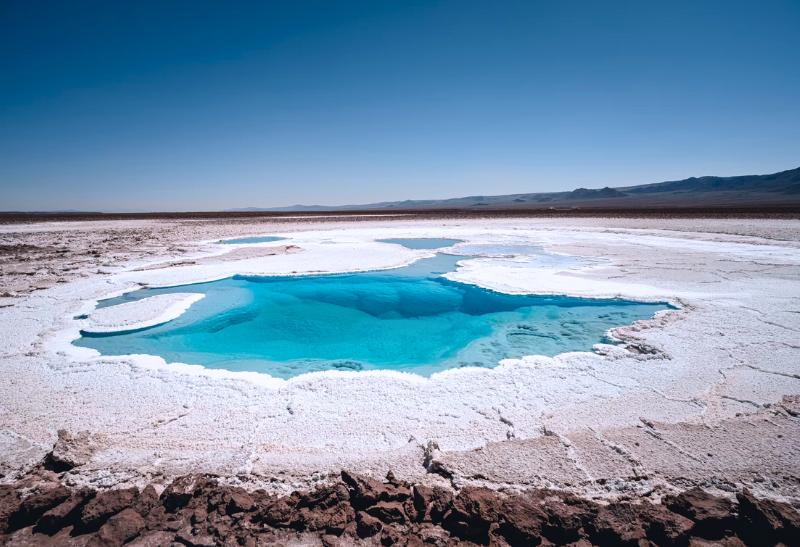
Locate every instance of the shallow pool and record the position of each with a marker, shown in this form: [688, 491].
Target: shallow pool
[421, 242]
[407, 319]
[255, 239]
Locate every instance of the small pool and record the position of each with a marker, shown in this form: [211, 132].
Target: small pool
[524, 256]
[422, 243]
[407, 319]
[255, 239]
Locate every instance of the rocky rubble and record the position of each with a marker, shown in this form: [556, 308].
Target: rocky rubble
[200, 510]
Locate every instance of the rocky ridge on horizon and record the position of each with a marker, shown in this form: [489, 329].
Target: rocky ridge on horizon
[775, 189]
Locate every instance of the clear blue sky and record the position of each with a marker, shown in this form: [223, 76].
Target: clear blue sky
[211, 105]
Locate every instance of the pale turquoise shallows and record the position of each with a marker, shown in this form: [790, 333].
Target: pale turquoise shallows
[421, 242]
[407, 319]
[250, 240]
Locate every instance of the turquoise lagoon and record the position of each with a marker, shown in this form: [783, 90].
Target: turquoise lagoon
[406, 319]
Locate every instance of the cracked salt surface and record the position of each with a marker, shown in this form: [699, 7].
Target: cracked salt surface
[695, 374]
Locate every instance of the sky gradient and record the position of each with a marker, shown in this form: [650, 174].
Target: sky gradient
[142, 106]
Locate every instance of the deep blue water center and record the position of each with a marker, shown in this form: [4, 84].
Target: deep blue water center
[407, 319]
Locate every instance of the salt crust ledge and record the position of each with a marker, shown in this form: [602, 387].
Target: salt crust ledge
[140, 314]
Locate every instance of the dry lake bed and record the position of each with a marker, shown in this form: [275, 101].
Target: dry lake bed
[696, 383]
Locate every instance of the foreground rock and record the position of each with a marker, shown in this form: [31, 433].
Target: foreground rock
[199, 510]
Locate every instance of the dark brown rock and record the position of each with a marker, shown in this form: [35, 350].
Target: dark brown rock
[433, 535]
[278, 514]
[367, 525]
[766, 521]
[198, 510]
[388, 512]
[105, 504]
[63, 515]
[332, 519]
[581, 543]
[565, 520]
[326, 508]
[223, 527]
[665, 527]
[325, 496]
[119, 528]
[35, 505]
[714, 516]
[617, 524]
[152, 539]
[473, 512]
[731, 541]
[522, 522]
[194, 538]
[26, 537]
[396, 490]
[431, 504]
[9, 504]
[330, 540]
[364, 491]
[199, 516]
[157, 517]
[178, 493]
[237, 501]
[392, 536]
[147, 500]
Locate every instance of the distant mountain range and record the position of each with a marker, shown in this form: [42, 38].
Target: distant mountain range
[777, 189]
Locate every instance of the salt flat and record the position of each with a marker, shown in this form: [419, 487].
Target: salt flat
[705, 395]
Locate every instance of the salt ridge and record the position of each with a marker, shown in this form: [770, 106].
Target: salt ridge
[147, 312]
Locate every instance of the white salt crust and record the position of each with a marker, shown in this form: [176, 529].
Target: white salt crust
[140, 314]
[692, 376]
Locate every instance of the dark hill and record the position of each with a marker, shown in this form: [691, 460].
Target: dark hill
[774, 190]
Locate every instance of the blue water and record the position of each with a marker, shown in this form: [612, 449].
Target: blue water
[255, 239]
[422, 243]
[407, 319]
